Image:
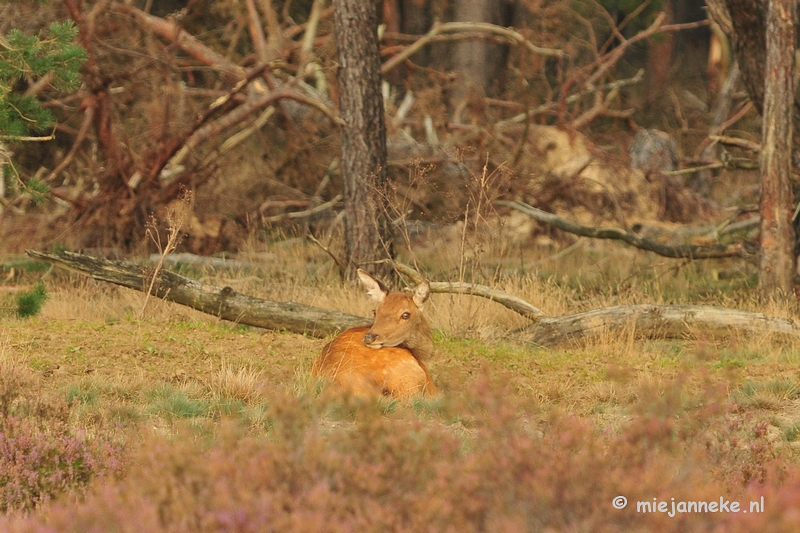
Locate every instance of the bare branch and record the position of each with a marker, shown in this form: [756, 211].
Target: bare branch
[736, 141]
[514, 303]
[187, 42]
[690, 251]
[473, 27]
[618, 84]
[88, 117]
[256, 31]
[306, 213]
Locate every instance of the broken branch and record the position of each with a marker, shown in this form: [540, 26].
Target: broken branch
[688, 251]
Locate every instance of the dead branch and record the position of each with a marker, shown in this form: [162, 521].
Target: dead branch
[305, 213]
[736, 141]
[27, 138]
[307, 45]
[473, 27]
[606, 62]
[275, 37]
[615, 85]
[203, 262]
[601, 108]
[698, 234]
[256, 31]
[88, 117]
[514, 303]
[222, 302]
[236, 116]
[187, 42]
[688, 251]
[327, 250]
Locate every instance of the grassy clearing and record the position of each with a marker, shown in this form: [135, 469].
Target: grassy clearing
[180, 422]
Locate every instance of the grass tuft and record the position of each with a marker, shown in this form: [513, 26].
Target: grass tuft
[29, 303]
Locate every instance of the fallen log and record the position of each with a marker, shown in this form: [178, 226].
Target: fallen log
[646, 320]
[656, 321]
[222, 302]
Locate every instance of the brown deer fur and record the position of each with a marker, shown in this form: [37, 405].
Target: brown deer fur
[388, 357]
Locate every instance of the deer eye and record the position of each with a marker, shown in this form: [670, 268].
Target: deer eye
[373, 312]
[406, 315]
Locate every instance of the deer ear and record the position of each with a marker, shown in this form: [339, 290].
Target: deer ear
[421, 294]
[375, 288]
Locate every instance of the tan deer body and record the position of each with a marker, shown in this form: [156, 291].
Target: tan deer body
[386, 358]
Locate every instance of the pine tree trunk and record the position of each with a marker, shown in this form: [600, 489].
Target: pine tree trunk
[368, 231]
[764, 38]
[776, 269]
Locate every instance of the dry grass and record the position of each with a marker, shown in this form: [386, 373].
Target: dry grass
[242, 384]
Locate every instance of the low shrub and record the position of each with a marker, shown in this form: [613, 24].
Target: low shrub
[41, 457]
[37, 464]
[495, 471]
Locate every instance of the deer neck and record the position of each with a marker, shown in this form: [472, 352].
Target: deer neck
[420, 342]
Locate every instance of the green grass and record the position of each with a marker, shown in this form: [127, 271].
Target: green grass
[82, 393]
[171, 403]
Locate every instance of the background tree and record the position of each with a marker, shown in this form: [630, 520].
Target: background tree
[764, 38]
[28, 65]
[368, 230]
[480, 63]
[776, 271]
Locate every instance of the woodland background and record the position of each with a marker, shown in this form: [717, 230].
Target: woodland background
[143, 127]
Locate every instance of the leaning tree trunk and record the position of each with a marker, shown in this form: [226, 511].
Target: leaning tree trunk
[776, 270]
[368, 231]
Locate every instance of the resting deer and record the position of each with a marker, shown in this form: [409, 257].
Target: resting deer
[388, 357]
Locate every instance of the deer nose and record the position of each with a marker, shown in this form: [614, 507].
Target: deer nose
[369, 338]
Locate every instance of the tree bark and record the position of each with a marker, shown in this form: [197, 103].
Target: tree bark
[764, 39]
[368, 231]
[776, 269]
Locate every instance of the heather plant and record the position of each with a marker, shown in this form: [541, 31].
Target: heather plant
[38, 464]
[503, 471]
[41, 457]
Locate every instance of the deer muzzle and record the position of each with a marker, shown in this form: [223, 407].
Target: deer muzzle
[370, 338]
